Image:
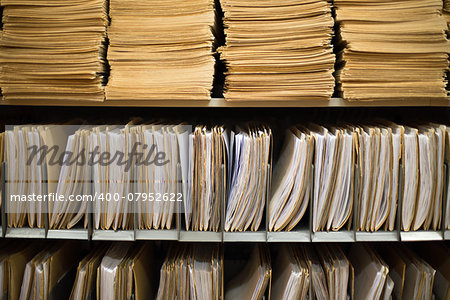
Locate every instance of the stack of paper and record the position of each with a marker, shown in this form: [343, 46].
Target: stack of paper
[278, 50]
[331, 273]
[85, 280]
[290, 192]
[161, 50]
[192, 272]
[423, 161]
[291, 277]
[252, 281]
[125, 272]
[333, 177]
[53, 50]
[250, 178]
[392, 49]
[204, 156]
[378, 161]
[46, 269]
[446, 12]
[372, 279]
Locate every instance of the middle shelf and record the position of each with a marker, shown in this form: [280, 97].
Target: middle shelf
[374, 181]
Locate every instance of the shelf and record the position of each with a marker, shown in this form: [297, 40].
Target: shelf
[416, 236]
[68, 234]
[111, 235]
[161, 235]
[220, 102]
[25, 233]
[301, 235]
[289, 236]
[378, 236]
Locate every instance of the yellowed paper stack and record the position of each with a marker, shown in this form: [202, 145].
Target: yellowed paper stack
[161, 50]
[53, 50]
[278, 50]
[392, 49]
[447, 11]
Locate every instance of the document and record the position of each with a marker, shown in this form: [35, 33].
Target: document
[53, 50]
[392, 49]
[161, 50]
[278, 50]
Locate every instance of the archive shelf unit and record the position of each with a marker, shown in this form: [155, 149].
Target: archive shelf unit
[29, 112]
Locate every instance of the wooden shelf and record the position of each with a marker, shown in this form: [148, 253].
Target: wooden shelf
[220, 102]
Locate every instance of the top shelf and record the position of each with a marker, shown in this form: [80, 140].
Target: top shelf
[220, 102]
